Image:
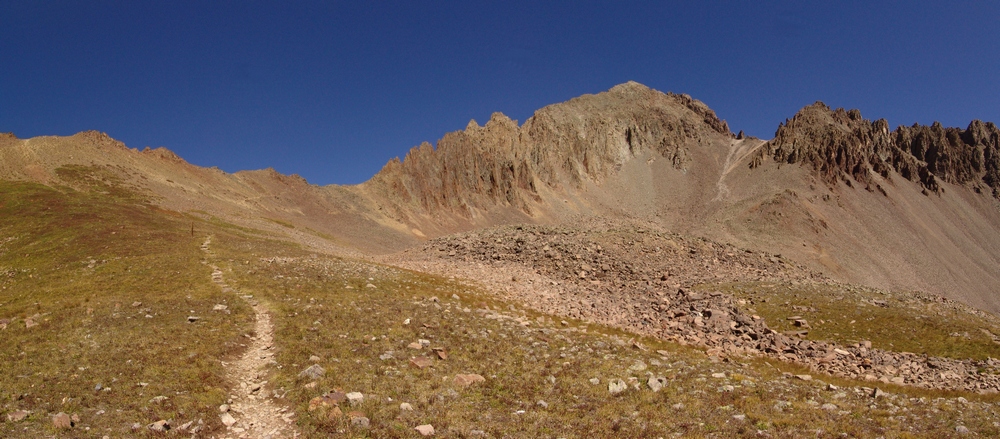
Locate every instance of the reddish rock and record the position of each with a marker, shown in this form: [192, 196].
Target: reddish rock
[466, 380]
[421, 362]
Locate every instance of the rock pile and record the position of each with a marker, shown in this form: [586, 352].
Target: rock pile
[640, 279]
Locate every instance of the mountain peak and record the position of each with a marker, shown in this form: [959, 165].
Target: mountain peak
[587, 138]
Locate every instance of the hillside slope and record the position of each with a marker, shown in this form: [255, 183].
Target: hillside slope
[911, 209]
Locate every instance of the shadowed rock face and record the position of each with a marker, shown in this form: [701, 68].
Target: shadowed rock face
[587, 138]
[839, 143]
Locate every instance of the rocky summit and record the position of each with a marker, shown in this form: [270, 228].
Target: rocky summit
[618, 265]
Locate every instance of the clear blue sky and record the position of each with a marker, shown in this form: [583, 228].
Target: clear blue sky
[332, 90]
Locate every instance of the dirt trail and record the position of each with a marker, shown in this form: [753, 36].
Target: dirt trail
[251, 412]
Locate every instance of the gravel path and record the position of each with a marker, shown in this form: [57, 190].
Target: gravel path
[251, 412]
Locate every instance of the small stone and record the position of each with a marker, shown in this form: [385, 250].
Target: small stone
[727, 389]
[415, 345]
[386, 356]
[718, 375]
[313, 372]
[421, 362]
[310, 385]
[466, 380]
[337, 396]
[656, 383]
[355, 398]
[961, 429]
[227, 419]
[455, 296]
[361, 422]
[192, 319]
[616, 386]
[678, 406]
[406, 407]
[315, 403]
[220, 307]
[542, 404]
[878, 393]
[136, 304]
[369, 286]
[185, 426]
[804, 377]
[157, 399]
[62, 421]
[638, 366]
[740, 417]
[17, 416]
[424, 342]
[829, 407]
[314, 359]
[335, 413]
[441, 353]
[223, 408]
[425, 430]
[159, 426]
[595, 381]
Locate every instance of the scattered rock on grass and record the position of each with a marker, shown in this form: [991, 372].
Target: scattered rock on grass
[159, 426]
[62, 421]
[359, 420]
[656, 383]
[616, 386]
[227, 419]
[466, 380]
[313, 372]
[425, 430]
[420, 362]
[17, 416]
[355, 398]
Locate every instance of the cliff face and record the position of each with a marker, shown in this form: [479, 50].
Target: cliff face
[839, 143]
[584, 139]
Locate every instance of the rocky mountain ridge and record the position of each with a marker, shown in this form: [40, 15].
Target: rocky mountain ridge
[838, 143]
[563, 145]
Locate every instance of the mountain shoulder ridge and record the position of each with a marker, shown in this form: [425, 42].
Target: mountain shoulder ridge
[840, 143]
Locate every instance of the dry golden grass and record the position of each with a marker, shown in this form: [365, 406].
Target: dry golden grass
[901, 322]
[324, 308]
[75, 263]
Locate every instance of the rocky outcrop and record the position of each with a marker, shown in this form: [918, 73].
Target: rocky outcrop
[839, 144]
[584, 139]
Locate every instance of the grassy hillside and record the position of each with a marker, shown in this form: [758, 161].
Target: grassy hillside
[95, 295]
[97, 287]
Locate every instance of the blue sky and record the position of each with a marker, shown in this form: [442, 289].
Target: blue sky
[332, 90]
